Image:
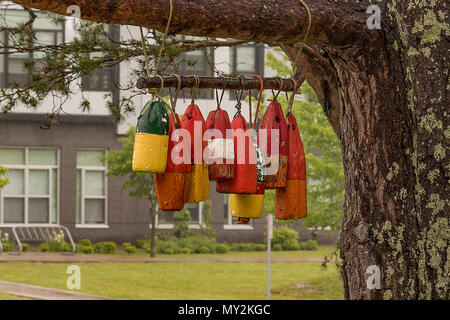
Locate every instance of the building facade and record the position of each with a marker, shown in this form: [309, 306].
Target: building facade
[56, 176]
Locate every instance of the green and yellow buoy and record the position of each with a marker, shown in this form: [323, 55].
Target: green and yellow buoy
[152, 139]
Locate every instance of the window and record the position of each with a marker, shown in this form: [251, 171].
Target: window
[106, 78]
[230, 221]
[12, 66]
[198, 62]
[164, 219]
[91, 206]
[247, 59]
[31, 196]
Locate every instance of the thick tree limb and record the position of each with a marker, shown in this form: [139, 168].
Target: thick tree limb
[334, 23]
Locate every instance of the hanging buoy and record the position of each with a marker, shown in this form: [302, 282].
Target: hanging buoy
[220, 149]
[291, 202]
[152, 139]
[172, 186]
[275, 151]
[194, 122]
[245, 178]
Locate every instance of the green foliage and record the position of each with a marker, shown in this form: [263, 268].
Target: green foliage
[108, 247]
[247, 247]
[277, 247]
[3, 181]
[260, 247]
[25, 247]
[204, 250]
[43, 247]
[142, 244]
[283, 235]
[222, 248]
[180, 223]
[192, 243]
[130, 249]
[87, 249]
[67, 247]
[85, 242]
[185, 250]
[311, 245]
[325, 172]
[206, 228]
[168, 251]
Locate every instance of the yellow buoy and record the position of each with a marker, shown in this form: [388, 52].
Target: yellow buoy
[248, 206]
[199, 183]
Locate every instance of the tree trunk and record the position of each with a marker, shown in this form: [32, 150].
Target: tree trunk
[395, 135]
[385, 93]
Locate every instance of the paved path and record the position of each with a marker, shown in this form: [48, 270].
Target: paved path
[42, 293]
[58, 258]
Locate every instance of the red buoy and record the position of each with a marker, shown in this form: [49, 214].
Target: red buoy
[291, 202]
[194, 123]
[220, 149]
[245, 178]
[172, 186]
[275, 146]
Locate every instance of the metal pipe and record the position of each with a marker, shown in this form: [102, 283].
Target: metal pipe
[283, 84]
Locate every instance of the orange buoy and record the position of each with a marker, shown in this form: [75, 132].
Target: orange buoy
[291, 202]
[220, 149]
[172, 186]
[275, 147]
[245, 178]
[194, 123]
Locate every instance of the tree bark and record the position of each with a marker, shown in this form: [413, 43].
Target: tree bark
[384, 91]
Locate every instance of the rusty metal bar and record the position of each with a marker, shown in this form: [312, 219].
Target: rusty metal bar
[283, 84]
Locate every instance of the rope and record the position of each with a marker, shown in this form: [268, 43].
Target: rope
[291, 100]
[261, 88]
[158, 61]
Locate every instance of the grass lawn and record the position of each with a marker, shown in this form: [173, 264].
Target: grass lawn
[184, 280]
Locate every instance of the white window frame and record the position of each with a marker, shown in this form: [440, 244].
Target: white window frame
[169, 226]
[26, 169]
[83, 197]
[230, 226]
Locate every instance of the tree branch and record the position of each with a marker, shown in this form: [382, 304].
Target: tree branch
[320, 75]
[334, 23]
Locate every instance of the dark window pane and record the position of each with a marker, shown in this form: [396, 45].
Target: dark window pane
[14, 210]
[94, 211]
[38, 211]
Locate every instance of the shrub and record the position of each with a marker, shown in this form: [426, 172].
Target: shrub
[260, 247]
[126, 244]
[302, 245]
[283, 234]
[185, 250]
[43, 247]
[130, 249]
[67, 247]
[222, 248]
[251, 246]
[108, 247]
[311, 245]
[142, 244]
[25, 247]
[8, 246]
[291, 244]
[87, 249]
[180, 223]
[204, 250]
[168, 251]
[277, 247]
[85, 242]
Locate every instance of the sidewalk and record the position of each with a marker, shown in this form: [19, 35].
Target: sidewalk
[58, 258]
[42, 293]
